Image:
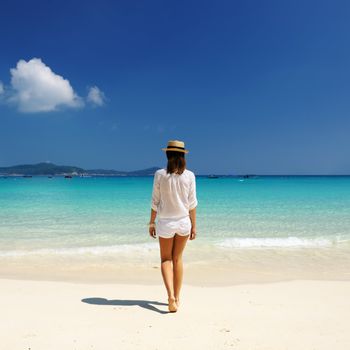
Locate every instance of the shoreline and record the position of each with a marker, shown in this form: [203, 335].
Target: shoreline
[201, 267]
[212, 274]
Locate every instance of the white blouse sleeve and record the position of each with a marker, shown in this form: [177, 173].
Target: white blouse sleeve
[192, 198]
[155, 192]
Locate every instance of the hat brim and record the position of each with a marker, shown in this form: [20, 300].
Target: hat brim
[175, 149]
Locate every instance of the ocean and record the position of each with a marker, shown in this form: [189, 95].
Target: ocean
[103, 220]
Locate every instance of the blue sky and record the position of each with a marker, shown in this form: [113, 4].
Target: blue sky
[250, 86]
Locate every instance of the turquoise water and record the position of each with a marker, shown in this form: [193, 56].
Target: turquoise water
[100, 213]
[43, 215]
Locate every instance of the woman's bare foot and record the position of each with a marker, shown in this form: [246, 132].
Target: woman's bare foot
[172, 306]
[177, 301]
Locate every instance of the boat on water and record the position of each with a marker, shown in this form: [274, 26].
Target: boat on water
[68, 176]
[212, 176]
[249, 176]
[27, 176]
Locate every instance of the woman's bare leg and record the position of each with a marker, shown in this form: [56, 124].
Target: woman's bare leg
[166, 247]
[178, 248]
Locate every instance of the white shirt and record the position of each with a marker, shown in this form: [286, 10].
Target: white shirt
[173, 194]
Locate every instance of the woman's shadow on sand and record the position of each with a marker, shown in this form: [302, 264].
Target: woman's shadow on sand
[146, 304]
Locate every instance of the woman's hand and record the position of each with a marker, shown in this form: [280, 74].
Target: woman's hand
[193, 233]
[193, 223]
[152, 224]
[152, 231]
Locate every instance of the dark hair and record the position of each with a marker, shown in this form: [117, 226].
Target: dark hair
[176, 162]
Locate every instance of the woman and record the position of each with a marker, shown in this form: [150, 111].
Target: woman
[174, 202]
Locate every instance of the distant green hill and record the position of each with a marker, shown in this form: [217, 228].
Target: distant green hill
[53, 169]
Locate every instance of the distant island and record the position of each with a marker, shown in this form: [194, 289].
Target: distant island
[47, 168]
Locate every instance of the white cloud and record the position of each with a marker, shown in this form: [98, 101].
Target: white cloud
[1, 88]
[38, 89]
[96, 96]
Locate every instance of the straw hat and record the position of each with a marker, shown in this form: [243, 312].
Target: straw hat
[176, 145]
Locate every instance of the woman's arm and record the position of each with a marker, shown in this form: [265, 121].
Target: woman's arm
[192, 199]
[154, 205]
[193, 221]
[152, 228]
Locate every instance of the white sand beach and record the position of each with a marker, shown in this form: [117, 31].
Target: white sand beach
[299, 314]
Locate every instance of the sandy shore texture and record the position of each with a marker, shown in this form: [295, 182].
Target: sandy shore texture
[295, 315]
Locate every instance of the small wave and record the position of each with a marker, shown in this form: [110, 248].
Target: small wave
[250, 242]
[94, 250]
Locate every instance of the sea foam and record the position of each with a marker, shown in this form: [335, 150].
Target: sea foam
[275, 242]
[93, 250]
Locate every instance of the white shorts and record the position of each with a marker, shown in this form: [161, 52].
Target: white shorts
[166, 228]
